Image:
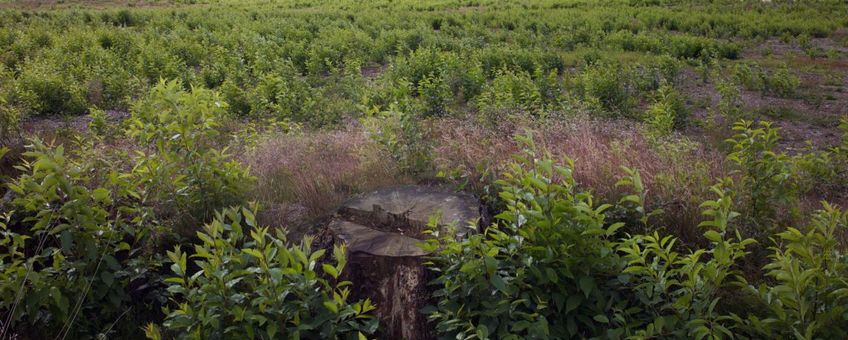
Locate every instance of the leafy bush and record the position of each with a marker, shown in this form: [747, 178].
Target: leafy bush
[533, 274]
[675, 295]
[10, 117]
[660, 119]
[782, 82]
[48, 92]
[436, 93]
[606, 83]
[730, 103]
[183, 172]
[154, 64]
[667, 112]
[748, 76]
[546, 269]
[767, 181]
[251, 284]
[68, 253]
[402, 135]
[282, 96]
[511, 90]
[808, 295]
[433, 77]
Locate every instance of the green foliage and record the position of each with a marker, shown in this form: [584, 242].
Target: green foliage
[807, 295]
[675, 295]
[660, 119]
[546, 268]
[83, 234]
[667, 112]
[68, 256]
[511, 90]
[536, 272]
[606, 85]
[781, 82]
[180, 167]
[730, 104]
[843, 126]
[435, 93]
[247, 283]
[241, 47]
[748, 76]
[10, 117]
[47, 92]
[402, 135]
[824, 170]
[284, 96]
[766, 177]
[635, 202]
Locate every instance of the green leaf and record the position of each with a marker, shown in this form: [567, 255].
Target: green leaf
[468, 267]
[271, 330]
[482, 332]
[587, 284]
[499, 283]
[331, 306]
[572, 303]
[330, 270]
[253, 252]
[712, 235]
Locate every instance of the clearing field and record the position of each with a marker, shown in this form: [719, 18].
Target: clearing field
[636, 169]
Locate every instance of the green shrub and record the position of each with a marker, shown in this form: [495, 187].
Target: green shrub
[48, 92]
[251, 284]
[807, 294]
[782, 82]
[748, 76]
[10, 117]
[511, 90]
[823, 171]
[402, 136]
[436, 94]
[420, 64]
[434, 77]
[282, 96]
[184, 174]
[153, 64]
[606, 83]
[660, 119]
[730, 103]
[536, 272]
[668, 111]
[675, 295]
[768, 184]
[332, 46]
[68, 257]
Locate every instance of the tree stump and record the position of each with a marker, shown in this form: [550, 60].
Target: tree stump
[382, 231]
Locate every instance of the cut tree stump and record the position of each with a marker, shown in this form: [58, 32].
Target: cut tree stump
[382, 231]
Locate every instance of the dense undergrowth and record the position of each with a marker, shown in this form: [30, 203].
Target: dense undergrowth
[304, 65]
[564, 117]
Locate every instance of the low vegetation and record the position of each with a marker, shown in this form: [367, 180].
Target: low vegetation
[167, 168]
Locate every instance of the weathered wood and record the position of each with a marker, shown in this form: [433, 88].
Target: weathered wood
[382, 231]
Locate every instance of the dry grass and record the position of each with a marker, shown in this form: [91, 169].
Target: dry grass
[303, 177]
[677, 180]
